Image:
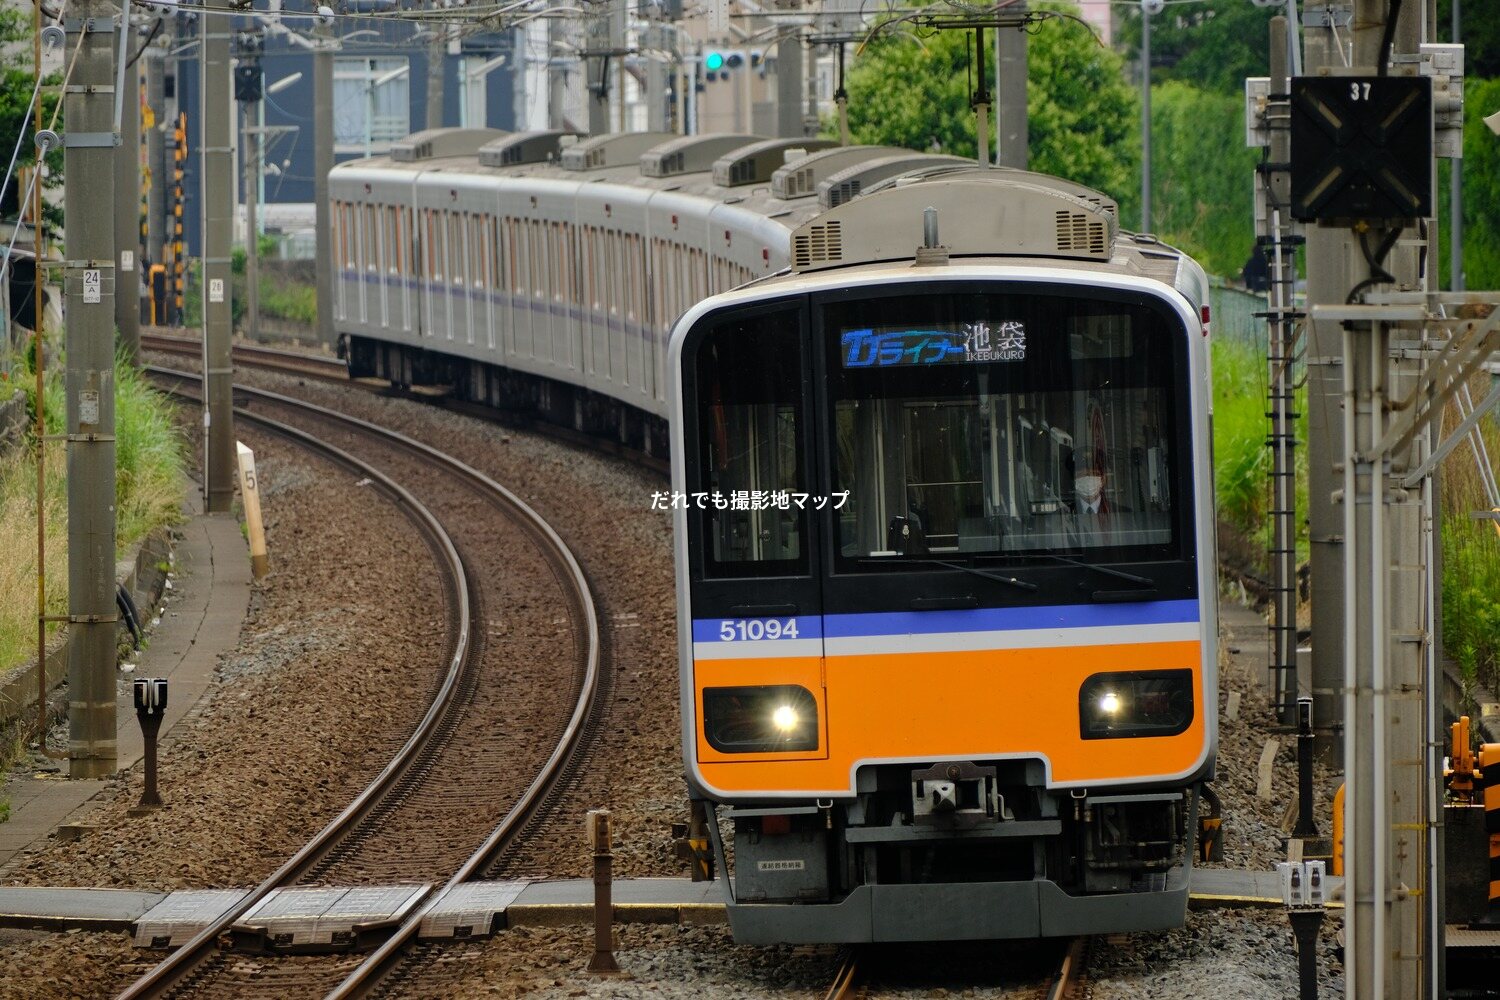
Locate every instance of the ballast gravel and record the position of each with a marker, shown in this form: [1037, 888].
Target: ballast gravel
[602, 507]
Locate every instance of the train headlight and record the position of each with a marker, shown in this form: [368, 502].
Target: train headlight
[1136, 703]
[777, 719]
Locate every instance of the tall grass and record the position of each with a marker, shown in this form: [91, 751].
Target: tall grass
[1471, 560]
[149, 462]
[1242, 460]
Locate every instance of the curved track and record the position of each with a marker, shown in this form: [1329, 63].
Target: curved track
[199, 968]
[328, 369]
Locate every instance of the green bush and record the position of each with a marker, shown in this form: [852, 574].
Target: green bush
[1202, 176]
[149, 461]
[1242, 460]
[1471, 562]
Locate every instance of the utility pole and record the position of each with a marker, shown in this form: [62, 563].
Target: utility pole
[322, 164]
[156, 163]
[1146, 8]
[128, 216]
[653, 44]
[216, 194]
[981, 100]
[789, 86]
[557, 86]
[89, 288]
[248, 86]
[1372, 561]
[251, 157]
[598, 44]
[1011, 111]
[437, 52]
[1456, 196]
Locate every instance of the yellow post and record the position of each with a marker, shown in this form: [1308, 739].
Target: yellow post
[1489, 768]
[260, 563]
[1338, 831]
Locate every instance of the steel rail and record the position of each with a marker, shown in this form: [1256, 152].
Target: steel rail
[170, 969]
[1070, 974]
[379, 961]
[253, 354]
[845, 980]
[382, 958]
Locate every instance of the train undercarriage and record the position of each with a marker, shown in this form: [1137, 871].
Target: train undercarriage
[516, 395]
[959, 850]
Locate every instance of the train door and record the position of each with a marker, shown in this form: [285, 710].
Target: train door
[755, 599]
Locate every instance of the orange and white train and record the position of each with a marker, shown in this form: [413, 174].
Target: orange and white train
[944, 545]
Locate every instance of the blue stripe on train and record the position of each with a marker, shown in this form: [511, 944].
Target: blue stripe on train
[977, 620]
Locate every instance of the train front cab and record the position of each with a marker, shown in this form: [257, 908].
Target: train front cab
[936, 690]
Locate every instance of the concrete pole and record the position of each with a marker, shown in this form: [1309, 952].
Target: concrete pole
[89, 289]
[1145, 119]
[1370, 577]
[557, 84]
[981, 101]
[1011, 106]
[657, 68]
[250, 156]
[596, 71]
[128, 218]
[618, 27]
[789, 86]
[1456, 201]
[437, 54]
[322, 164]
[216, 204]
[1332, 257]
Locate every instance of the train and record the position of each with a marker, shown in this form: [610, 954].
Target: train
[939, 439]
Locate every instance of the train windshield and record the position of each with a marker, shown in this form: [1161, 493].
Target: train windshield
[1001, 425]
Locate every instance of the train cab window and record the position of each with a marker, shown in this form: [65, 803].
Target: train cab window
[750, 463]
[972, 425]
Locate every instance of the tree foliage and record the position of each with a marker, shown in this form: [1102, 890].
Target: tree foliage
[16, 85]
[916, 94]
[1481, 182]
[1214, 44]
[1479, 30]
[1203, 175]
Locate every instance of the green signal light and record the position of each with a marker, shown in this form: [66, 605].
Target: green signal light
[713, 61]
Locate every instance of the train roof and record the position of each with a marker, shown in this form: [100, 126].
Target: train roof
[871, 203]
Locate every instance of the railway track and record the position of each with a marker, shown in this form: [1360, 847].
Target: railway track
[295, 362]
[429, 788]
[861, 970]
[329, 369]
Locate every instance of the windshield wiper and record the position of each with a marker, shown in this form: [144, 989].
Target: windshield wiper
[1019, 584]
[1118, 574]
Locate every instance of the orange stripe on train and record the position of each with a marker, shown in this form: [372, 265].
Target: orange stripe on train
[969, 704]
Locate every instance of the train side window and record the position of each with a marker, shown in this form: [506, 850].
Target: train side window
[456, 246]
[494, 241]
[398, 241]
[748, 390]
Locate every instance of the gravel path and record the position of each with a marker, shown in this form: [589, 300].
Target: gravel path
[314, 700]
